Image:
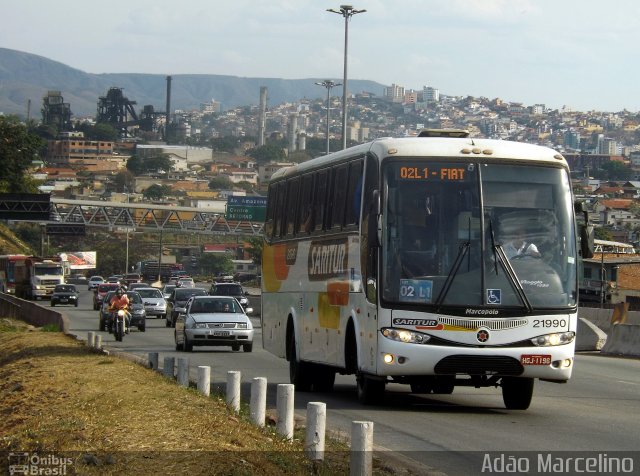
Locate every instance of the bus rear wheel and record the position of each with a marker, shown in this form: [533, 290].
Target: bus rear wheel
[299, 372]
[370, 390]
[517, 392]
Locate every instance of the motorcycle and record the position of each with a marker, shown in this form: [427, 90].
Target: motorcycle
[119, 324]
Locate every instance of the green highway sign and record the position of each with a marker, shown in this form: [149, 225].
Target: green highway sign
[246, 208]
[238, 212]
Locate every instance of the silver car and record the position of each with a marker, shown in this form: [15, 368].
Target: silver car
[215, 321]
[154, 302]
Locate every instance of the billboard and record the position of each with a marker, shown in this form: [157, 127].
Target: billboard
[80, 259]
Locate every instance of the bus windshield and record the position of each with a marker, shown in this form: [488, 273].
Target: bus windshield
[494, 236]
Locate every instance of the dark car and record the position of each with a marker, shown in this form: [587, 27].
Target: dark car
[136, 309]
[64, 294]
[230, 289]
[177, 302]
[100, 292]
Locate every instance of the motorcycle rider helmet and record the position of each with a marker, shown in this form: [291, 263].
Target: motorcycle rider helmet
[119, 292]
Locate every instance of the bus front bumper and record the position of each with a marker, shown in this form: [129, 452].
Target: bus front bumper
[404, 359]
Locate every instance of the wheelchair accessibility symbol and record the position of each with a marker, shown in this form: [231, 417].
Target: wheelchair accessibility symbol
[494, 296]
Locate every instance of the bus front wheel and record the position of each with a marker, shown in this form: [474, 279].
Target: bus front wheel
[324, 380]
[517, 392]
[370, 390]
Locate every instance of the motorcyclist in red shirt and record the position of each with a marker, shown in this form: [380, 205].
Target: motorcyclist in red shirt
[119, 301]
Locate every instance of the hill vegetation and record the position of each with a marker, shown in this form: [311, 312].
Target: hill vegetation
[26, 76]
[11, 244]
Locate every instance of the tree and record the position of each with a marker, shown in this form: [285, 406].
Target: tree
[225, 144]
[18, 148]
[613, 170]
[255, 249]
[601, 233]
[160, 162]
[135, 165]
[124, 181]
[99, 132]
[138, 165]
[267, 153]
[214, 264]
[157, 192]
[221, 182]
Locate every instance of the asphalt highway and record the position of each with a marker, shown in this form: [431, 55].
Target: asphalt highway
[596, 412]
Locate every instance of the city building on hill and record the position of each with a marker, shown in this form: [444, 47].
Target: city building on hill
[267, 170]
[72, 149]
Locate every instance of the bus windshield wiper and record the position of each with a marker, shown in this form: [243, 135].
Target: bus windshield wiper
[511, 274]
[462, 251]
[493, 246]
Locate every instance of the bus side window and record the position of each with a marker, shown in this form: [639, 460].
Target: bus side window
[320, 199]
[280, 211]
[271, 206]
[338, 196]
[305, 210]
[354, 194]
[291, 209]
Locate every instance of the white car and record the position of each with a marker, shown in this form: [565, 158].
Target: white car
[94, 282]
[214, 321]
[186, 283]
[154, 302]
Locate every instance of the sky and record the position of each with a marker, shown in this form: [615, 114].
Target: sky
[579, 54]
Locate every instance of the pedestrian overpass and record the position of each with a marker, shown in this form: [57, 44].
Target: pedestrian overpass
[148, 217]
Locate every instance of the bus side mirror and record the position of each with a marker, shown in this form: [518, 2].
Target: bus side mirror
[587, 236]
[586, 230]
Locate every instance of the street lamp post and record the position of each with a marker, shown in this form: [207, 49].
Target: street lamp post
[328, 84]
[347, 11]
[127, 252]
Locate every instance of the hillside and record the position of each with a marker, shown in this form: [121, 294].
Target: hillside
[11, 244]
[24, 77]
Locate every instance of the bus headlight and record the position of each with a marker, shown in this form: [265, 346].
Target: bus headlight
[557, 338]
[404, 335]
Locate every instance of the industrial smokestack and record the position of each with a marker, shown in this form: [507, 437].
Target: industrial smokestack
[168, 119]
[263, 115]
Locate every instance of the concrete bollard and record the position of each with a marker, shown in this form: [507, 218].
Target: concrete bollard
[284, 407]
[204, 379]
[91, 339]
[168, 367]
[258, 401]
[153, 360]
[183, 371]
[233, 389]
[316, 426]
[98, 342]
[361, 462]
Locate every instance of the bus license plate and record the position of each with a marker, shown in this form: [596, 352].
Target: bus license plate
[220, 333]
[530, 359]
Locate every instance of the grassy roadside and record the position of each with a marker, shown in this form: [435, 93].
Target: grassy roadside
[113, 416]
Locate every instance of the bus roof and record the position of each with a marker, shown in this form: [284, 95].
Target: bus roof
[450, 147]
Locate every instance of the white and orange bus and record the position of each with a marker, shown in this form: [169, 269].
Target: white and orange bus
[394, 261]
